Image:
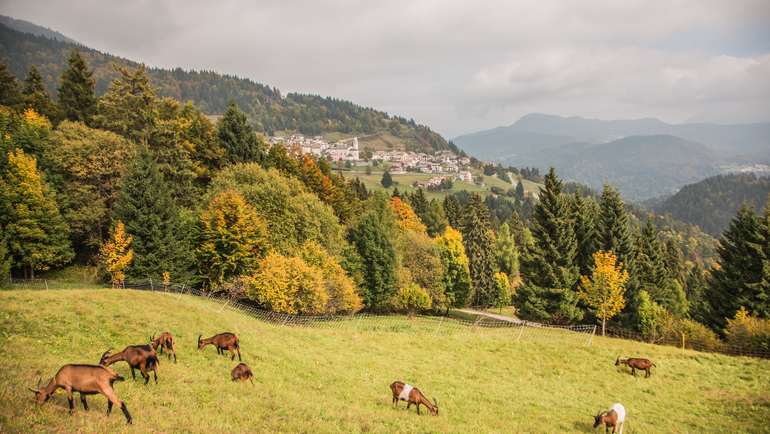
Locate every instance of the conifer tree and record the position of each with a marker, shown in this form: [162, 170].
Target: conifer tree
[151, 217]
[36, 96]
[386, 180]
[77, 97]
[519, 192]
[613, 227]
[452, 211]
[479, 247]
[419, 202]
[649, 268]
[6, 261]
[237, 137]
[736, 281]
[550, 271]
[128, 107]
[9, 88]
[38, 237]
[434, 218]
[584, 214]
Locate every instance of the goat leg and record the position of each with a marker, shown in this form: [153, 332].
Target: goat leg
[129, 419]
[109, 406]
[83, 401]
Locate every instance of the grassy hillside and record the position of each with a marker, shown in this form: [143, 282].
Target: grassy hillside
[336, 379]
[268, 109]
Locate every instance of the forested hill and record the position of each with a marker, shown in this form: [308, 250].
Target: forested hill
[713, 202]
[266, 108]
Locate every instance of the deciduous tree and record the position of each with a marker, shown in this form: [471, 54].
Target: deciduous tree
[604, 290]
[116, 254]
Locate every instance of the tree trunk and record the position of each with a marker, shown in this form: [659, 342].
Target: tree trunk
[32, 272]
[604, 321]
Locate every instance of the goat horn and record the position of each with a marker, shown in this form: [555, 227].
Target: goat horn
[39, 379]
[32, 390]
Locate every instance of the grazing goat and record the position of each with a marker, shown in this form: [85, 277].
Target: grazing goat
[223, 341]
[635, 363]
[242, 372]
[614, 418]
[164, 340]
[141, 357]
[412, 395]
[86, 380]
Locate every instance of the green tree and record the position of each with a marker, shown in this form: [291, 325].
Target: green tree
[479, 247]
[9, 88]
[584, 213]
[232, 239]
[613, 227]
[151, 217]
[519, 192]
[457, 278]
[6, 260]
[419, 203]
[411, 298]
[38, 237]
[36, 96]
[386, 180]
[77, 98]
[506, 252]
[737, 279]
[453, 211]
[550, 271]
[649, 268]
[434, 218]
[237, 137]
[372, 234]
[128, 107]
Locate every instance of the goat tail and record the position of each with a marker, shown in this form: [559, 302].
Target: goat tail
[653, 364]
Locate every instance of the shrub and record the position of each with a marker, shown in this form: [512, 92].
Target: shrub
[747, 332]
[288, 285]
[411, 298]
[343, 294]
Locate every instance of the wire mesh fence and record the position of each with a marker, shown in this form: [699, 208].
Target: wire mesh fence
[369, 322]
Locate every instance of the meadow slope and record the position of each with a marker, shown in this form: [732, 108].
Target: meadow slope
[336, 379]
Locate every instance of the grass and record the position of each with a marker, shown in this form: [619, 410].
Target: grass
[336, 379]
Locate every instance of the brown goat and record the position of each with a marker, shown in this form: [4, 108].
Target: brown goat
[142, 357]
[164, 340]
[86, 380]
[242, 372]
[412, 395]
[222, 341]
[636, 363]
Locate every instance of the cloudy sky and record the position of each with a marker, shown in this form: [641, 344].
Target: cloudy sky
[458, 66]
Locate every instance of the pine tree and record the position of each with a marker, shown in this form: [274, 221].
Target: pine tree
[237, 138]
[736, 281]
[386, 180]
[6, 261]
[695, 288]
[452, 211]
[152, 219]
[435, 220]
[128, 107]
[419, 203]
[38, 237]
[584, 214]
[613, 227]
[36, 96]
[550, 271]
[77, 97]
[479, 247]
[519, 192]
[649, 269]
[9, 88]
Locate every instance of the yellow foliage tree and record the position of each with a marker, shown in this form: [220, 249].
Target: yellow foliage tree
[405, 216]
[343, 295]
[287, 284]
[116, 254]
[604, 290]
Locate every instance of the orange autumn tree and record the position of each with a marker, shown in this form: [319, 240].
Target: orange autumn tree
[116, 254]
[405, 216]
[605, 289]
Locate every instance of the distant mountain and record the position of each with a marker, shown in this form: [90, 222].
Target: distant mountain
[697, 150]
[266, 108]
[34, 29]
[713, 202]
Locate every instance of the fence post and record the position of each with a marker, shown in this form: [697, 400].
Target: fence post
[521, 332]
[46, 283]
[439, 325]
[682, 341]
[151, 287]
[591, 338]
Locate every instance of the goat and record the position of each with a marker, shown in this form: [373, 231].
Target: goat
[164, 340]
[614, 418]
[636, 363]
[142, 357]
[222, 341]
[242, 372]
[412, 395]
[86, 380]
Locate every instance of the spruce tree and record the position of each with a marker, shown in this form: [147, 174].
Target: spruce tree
[736, 282]
[419, 202]
[584, 214]
[550, 270]
[36, 96]
[434, 219]
[128, 106]
[9, 88]
[649, 269]
[38, 236]
[77, 97]
[145, 205]
[237, 137]
[519, 193]
[452, 211]
[479, 247]
[386, 180]
[613, 227]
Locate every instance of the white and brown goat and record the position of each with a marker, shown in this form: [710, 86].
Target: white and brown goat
[412, 395]
[614, 417]
[86, 380]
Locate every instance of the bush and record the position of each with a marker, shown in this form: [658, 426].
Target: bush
[748, 333]
[411, 298]
[343, 294]
[288, 285]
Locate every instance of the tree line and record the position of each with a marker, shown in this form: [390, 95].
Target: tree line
[145, 186]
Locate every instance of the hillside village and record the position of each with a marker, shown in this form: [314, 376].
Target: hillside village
[400, 162]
